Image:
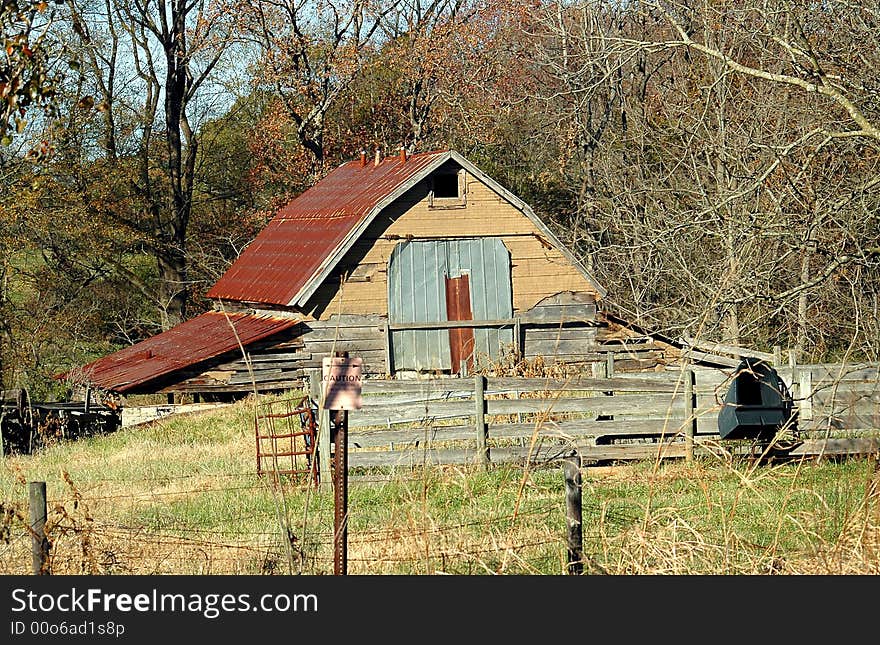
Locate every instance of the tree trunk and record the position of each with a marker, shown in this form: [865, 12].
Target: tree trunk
[173, 287]
[801, 342]
[172, 262]
[731, 310]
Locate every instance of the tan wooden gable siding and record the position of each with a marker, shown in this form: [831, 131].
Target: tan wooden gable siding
[536, 272]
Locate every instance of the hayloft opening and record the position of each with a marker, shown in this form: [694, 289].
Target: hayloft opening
[446, 186]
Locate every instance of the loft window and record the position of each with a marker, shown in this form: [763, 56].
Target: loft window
[446, 186]
[447, 190]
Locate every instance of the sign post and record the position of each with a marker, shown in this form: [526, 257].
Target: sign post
[342, 392]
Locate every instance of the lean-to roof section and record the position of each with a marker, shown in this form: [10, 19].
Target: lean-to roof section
[189, 343]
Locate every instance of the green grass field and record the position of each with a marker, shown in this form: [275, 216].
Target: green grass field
[181, 496]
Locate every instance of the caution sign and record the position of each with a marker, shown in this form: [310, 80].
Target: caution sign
[342, 383]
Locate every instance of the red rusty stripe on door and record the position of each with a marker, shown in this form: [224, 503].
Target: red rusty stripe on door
[458, 307]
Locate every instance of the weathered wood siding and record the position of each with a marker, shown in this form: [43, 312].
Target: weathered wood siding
[273, 365]
[279, 363]
[562, 329]
[537, 269]
[637, 416]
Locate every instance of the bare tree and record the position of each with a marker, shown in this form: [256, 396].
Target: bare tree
[725, 159]
[149, 60]
[311, 53]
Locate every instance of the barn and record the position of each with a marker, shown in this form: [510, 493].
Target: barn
[420, 264]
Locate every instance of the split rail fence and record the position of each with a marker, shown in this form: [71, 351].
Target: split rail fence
[629, 416]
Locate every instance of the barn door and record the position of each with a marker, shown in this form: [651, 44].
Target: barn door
[458, 307]
[439, 280]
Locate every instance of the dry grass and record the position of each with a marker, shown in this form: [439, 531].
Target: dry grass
[181, 496]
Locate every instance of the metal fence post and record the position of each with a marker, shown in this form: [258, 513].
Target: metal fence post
[340, 488]
[340, 494]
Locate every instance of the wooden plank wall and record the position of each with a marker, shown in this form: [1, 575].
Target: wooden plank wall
[403, 422]
[836, 397]
[282, 363]
[272, 365]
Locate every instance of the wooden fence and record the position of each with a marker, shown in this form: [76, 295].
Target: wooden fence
[480, 420]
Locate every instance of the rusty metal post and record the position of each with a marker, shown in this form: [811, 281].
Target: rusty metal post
[340, 490]
[340, 495]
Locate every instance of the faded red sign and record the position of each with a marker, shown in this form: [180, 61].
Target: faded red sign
[342, 383]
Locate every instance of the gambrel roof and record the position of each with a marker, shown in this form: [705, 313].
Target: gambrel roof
[297, 250]
[287, 262]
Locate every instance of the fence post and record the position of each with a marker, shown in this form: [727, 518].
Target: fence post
[323, 444]
[805, 380]
[517, 340]
[480, 421]
[609, 364]
[690, 408]
[389, 351]
[37, 520]
[573, 513]
[794, 384]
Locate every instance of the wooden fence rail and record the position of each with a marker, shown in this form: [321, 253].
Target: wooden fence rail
[481, 420]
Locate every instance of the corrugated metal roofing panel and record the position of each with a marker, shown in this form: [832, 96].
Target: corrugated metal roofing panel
[186, 344]
[487, 261]
[286, 254]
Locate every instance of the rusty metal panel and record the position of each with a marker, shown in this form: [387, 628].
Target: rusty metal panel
[186, 344]
[292, 249]
[458, 307]
[417, 275]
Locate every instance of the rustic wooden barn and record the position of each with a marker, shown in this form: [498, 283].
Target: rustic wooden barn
[376, 259]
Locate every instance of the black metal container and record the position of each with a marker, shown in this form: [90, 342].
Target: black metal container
[757, 403]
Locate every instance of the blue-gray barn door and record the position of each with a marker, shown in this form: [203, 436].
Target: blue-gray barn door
[417, 274]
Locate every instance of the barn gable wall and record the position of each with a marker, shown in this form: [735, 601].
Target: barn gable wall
[538, 270]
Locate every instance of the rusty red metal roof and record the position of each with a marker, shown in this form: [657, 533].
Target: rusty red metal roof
[184, 345]
[293, 248]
